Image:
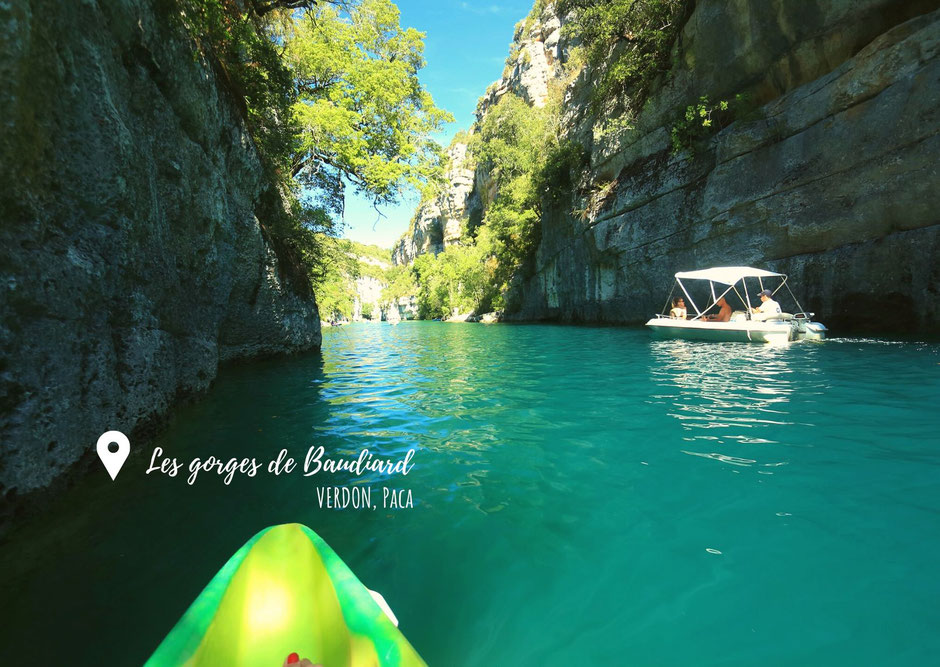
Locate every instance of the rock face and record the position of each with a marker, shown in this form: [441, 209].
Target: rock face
[368, 291]
[535, 61]
[132, 254]
[833, 180]
[830, 177]
[407, 307]
[438, 222]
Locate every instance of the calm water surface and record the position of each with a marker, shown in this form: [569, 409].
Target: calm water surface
[582, 496]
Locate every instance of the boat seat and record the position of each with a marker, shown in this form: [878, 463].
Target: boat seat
[738, 316]
[772, 317]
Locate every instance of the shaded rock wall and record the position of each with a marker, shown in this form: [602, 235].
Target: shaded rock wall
[132, 255]
[833, 180]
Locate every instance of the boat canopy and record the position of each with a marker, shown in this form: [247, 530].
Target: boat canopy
[728, 275]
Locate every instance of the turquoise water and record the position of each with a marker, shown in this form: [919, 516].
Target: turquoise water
[582, 496]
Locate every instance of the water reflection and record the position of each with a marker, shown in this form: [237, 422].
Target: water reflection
[729, 395]
[398, 388]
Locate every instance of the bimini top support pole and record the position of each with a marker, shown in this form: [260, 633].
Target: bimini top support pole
[697, 311]
[667, 308]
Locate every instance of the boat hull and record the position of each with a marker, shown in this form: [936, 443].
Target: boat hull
[722, 332]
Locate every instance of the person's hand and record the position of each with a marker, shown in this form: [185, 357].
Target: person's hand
[293, 660]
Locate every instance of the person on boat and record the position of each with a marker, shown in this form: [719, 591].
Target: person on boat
[723, 314]
[678, 311]
[768, 306]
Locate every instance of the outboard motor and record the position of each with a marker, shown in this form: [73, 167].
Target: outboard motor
[806, 329]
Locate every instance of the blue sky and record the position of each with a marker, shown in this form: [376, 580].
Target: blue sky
[465, 48]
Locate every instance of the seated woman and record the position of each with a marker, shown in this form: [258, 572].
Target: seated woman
[723, 314]
[678, 311]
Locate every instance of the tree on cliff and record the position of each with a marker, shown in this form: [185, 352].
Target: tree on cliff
[363, 117]
[511, 144]
[331, 95]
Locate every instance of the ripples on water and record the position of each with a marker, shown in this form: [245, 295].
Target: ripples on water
[588, 457]
[583, 496]
[588, 454]
[728, 395]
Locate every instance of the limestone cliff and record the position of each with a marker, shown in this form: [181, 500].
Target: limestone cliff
[535, 60]
[368, 288]
[133, 246]
[832, 180]
[831, 176]
[537, 52]
[438, 222]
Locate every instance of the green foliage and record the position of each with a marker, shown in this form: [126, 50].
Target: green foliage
[459, 278]
[514, 49]
[571, 68]
[364, 118]
[510, 137]
[372, 271]
[518, 146]
[400, 282]
[334, 283]
[534, 13]
[639, 32]
[600, 196]
[512, 143]
[704, 118]
[331, 96]
[237, 40]
[367, 311]
[375, 252]
[461, 137]
[613, 126]
[563, 159]
[342, 262]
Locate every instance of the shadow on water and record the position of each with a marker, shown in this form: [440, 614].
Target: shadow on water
[111, 567]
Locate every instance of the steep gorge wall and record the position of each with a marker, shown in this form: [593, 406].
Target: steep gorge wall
[133, 252]
[831, 177]
[833, 181]
[369, 288]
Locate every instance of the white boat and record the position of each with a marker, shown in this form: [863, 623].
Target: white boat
[744, 325]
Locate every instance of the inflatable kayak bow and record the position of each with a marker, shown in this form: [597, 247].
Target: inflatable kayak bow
[285, 591]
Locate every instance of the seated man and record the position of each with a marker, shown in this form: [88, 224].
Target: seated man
[768, 306]
[723, 314]
[678, 311]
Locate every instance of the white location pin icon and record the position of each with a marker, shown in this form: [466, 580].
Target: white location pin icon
[113, 460]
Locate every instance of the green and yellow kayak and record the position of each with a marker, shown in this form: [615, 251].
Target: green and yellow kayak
[284, 592]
